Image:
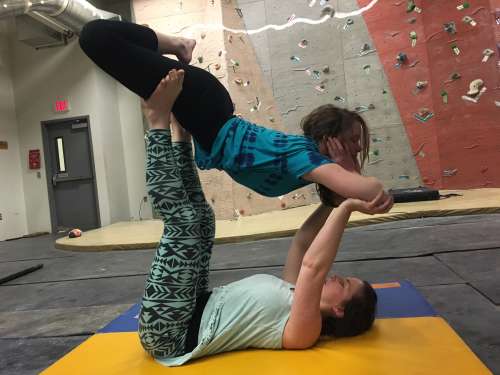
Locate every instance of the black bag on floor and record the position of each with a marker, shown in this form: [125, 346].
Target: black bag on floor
[414, 194]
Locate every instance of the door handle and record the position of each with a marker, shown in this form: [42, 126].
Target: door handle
[54, 180]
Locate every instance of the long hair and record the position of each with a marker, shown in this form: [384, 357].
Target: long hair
[330, 121]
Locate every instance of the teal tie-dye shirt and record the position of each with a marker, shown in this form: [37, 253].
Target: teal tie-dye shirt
[265, 160]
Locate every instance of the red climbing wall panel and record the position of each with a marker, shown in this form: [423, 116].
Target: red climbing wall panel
[459, 147]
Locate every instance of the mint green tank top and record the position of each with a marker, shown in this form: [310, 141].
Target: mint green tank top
[249, 313]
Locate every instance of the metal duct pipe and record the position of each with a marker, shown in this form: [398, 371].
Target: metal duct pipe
[71, 13]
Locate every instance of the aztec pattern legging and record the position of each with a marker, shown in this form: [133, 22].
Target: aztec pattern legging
[179, 272]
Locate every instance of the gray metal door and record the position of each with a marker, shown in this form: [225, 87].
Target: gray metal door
[70, 174]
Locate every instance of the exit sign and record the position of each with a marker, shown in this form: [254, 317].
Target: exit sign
[61, 106]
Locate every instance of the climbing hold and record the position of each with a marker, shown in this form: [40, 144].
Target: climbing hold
[364, 108]
[366, 49]
[217, 66]
[328, 10]
[203, 35]
[200, 59]
[463, 6]
[339, 99]
[401, 59]
[420, 85]
[469, 20]
[455, 49]
[326, 69]
[256, 107]
[450, 172]
[450, 27]
[367, 68]
[413, 38]
[295, 58]
[444, 96]
[487, 53]
[238, 81]
[410, 6]
[321, 88]
[303, 43]
[475, 87]
[313, 73]
[423, 115]
[348, 23]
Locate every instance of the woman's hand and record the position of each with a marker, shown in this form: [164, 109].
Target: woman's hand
[342, 154]
[381, 204]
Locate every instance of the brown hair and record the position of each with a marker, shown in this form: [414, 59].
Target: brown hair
[330, 121]
[359, 314]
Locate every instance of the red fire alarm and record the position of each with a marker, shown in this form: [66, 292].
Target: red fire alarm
[34, 159]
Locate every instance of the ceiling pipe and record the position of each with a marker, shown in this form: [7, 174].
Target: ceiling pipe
[70, 14]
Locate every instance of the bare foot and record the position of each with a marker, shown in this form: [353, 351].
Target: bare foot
[158, 107]
[186, 48]
[179, 134]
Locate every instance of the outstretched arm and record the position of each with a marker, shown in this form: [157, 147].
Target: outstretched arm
[302, 240]
[304, 325]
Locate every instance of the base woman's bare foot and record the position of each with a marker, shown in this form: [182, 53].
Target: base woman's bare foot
[158, 107]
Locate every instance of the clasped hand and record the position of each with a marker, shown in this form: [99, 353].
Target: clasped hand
[381, 204]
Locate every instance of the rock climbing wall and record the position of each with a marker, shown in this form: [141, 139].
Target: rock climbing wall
[454, 133]
[425, 128]
[293, 60]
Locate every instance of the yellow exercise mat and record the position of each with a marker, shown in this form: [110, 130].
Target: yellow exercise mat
[146, 234]
[425, 345]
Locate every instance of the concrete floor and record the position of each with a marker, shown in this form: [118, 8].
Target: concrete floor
[453, 261]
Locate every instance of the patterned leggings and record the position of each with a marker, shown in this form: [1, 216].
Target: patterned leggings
[179, 272]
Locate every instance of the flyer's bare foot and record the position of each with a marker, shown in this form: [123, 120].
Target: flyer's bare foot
[186, 47]
[159, 105]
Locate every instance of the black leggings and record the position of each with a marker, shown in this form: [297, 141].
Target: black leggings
[129, 53]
